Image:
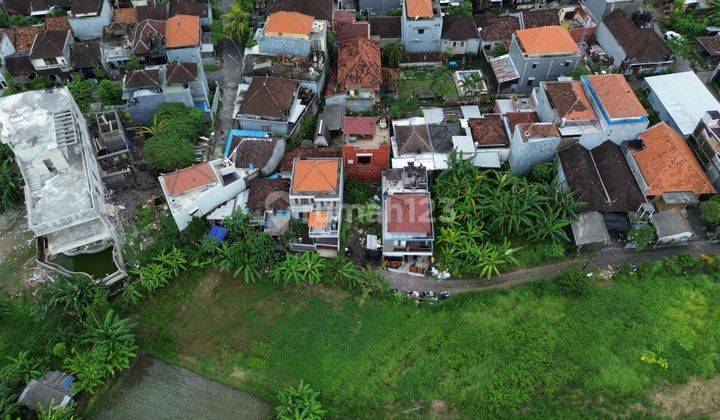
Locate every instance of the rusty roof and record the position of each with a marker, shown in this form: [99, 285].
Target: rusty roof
[668, 165]
[616, 96]
[22, 38]
[319, 9]
[711, 44]
[268, 194]
[496, 28]
[180, 73]
[515, 118]
[540, 18]
[149, 36]
[385, 26]
[269, 97]
[126, 15]
[308, 153]
[488, 130]
[422, 9]
[182, 31]
[538, 130]
[358, 126]
[345, 31]
[145, 78]
[57, 23]
[459, 28]
[188, 179]
[569, 101]
[359, 65]
[288, 24]
[316, 176]
[547, 40]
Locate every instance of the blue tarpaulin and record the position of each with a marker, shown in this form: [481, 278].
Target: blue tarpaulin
[218, 233]
[243, 133]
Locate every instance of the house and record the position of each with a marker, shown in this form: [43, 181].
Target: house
[532, 142]
[316, 198]
[318, 9]
[264, 154]
[291, 34]
[665, 167]
[34, 8]
[671, 226]
[199, 8]
[145, 90]
[366, 147]
[542, 54]
[15, 46]
[359, 75]
[310, 72]
[680, 99]
[271, 104]
[600, 8]
[67, 206]
[268, 204]
[379, 7]
[421, 26]
[57, 23]
[495, 29]
[199, 189]
[50, 53]
[633, 50]
[183, 39]
[578, 22]
[85, 57]
[385, 29]
[459, 35]
[407, 223]
[600, 178]
[705, 142]
[286, 166]
[346, 27]
[88, 18]
[490, 138]
[149, 40]
[52, 390]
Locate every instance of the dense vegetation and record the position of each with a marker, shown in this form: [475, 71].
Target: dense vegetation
[172, 137]
[10, 180]
[486, 216]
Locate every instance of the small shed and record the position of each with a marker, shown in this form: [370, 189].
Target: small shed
[589, 231]
[52, 390]
[671, 226]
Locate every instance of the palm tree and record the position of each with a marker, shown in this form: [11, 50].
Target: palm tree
[394, 53]
[303, 268]
[236, 22]
[157, 126]
[472, 85]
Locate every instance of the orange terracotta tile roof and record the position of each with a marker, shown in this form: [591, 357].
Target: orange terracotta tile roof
[547, 40]
[419, 8]
[188, 179]
[668, 164]
[318, 219]
[126, 15]
[23, 38]
[316, 175]
[289, 24]
[359, 65]
[616, 96]
[182, 31]
[568, 99]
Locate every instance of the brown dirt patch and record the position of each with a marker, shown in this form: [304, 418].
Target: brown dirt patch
[699, 397]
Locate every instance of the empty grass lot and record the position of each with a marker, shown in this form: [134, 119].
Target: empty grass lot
[529, 351]
[424, 82]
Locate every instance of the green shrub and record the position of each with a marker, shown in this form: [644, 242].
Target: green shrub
[642, 236]
[710, 211]
[166, 153]
[82, 91]
[682, 264]
[110, 93]
[299, 403]
[74, 296]
[573, 282]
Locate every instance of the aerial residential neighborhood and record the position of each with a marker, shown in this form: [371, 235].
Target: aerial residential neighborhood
[306, 209]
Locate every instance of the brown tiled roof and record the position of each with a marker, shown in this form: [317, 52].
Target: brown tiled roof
[152, 12]
[419, 8]
[85, 55]
[253, 152]
[308, 153]
[668, 165]
[288, 23]
[711, 44]
[359, 65]
[319, 9]
[269, 97]
[547, 40]
[182, 31]
[343, 16]
[413, 139]
[488, 130]
[569, 101]
[49, 44]
[188, 7]
[188, 179]
[19, 65]
[149, 36]
[616, 96]
[640, 44]
[601, 178]
[126, 15]
[540, 18]
[459, 28]
[385, 26]
[359, 126]
[515, 118]
[345, 31]
[409, 213]
[496, 28]
[538, 130]
[269, 194]
[83, 7]
[57, 23]
[180, 73]
[388, 75]
[143, 79]
[22, 38]
[17, 7]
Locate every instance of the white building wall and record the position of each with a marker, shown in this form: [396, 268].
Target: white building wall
[90, 27]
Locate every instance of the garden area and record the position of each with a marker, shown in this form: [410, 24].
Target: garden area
[427, 84]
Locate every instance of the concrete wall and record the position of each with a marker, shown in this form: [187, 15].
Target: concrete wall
[470, 46]
[91, 27]
[284, 45]
[371, 172]
[184, 55]
[208, 202]
[427, 41]
[525, 155]
[663, 114]
[636, 171]
[6, 48]
[142, 112]
[533, 70]
[608, 42]
[280, 127]
[601, 8]
[380, 7]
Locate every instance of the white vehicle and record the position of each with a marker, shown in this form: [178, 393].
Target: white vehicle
[669, 35]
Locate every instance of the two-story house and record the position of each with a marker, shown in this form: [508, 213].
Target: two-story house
[705, 142]
[88, 18]
[183, 39]
[407, 224]
[421, 26]
[199, 8]
[271, 104]
[366, 147]
[15, 46]
[359, 75]
[316, 198]
[319, 9]
[459, 35]
[50, 53]
[148, 41]
[541, 54]
[291, 34]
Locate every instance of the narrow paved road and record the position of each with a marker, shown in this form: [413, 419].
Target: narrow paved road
[609, 258]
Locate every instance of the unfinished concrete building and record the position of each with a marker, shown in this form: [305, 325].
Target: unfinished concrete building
[111, 149]
[67, 206]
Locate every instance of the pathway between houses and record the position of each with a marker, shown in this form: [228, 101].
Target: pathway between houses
[616, 257]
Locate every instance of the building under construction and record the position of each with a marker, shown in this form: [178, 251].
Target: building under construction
[76, 227]
[111, 149]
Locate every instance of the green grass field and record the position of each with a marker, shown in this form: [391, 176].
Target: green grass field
[529, 351]
[422, 83]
